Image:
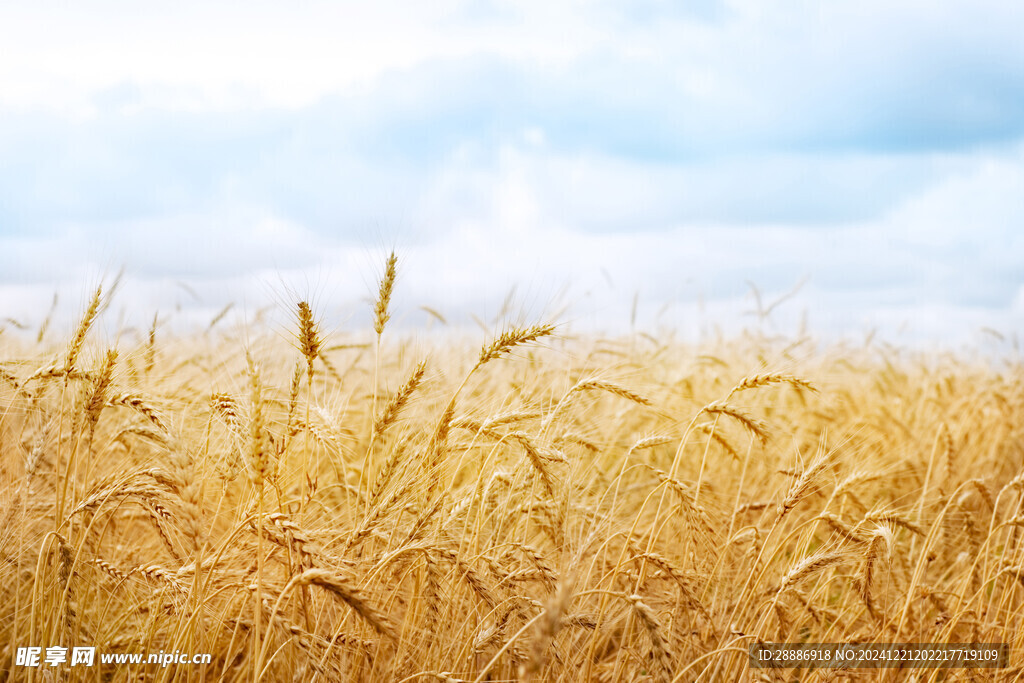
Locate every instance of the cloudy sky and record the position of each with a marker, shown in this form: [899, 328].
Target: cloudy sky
[868, 155]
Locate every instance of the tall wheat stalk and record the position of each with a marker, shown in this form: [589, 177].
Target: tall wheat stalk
[381, 316]
[63, 475]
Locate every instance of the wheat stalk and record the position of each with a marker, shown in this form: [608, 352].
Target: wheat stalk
[547, 628]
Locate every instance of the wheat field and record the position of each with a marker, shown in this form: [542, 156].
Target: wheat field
[525, 506]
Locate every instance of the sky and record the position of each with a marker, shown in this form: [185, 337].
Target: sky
[644, 165]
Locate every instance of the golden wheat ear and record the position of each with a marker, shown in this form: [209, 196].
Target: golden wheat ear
[78, 340]
[508, 340]
[381, 308]
[309, 336]
[394, 406]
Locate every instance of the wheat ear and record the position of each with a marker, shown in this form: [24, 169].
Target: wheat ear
[879, 550]
[761, 380]
[400, 399]
[75, 347]
[342, 587]
[508, 340]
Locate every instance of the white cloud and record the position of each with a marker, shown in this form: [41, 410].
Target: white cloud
[264, 53]
[872, 146]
